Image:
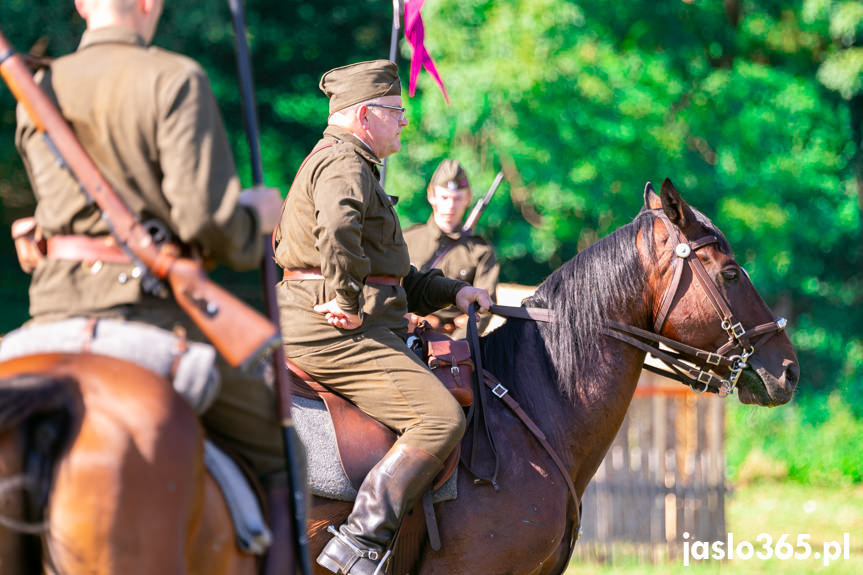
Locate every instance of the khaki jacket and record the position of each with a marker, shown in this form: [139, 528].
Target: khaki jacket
[149, 120]
[338, 218]
[471, 259]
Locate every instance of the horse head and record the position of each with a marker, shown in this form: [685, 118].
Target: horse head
[706, 308]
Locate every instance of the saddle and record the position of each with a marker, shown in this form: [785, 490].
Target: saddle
[362, 441]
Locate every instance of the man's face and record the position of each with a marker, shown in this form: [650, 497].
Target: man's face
[449, 206]
[384, 125]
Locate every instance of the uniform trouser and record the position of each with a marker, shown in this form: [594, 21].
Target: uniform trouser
[384, 378]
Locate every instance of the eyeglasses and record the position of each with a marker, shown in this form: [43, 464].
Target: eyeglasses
[400, 110]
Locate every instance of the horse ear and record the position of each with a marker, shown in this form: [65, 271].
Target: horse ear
[651, 200]
[677, 210]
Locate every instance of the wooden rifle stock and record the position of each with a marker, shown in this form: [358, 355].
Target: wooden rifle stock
[238, 332]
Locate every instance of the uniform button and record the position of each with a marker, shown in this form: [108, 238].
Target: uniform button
[462, 273]
[123, 278]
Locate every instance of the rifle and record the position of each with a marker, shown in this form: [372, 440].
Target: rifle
[480, 206]
[238, 332]
[470, 223]
[296, 504]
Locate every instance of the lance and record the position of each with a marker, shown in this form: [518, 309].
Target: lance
[394, 43]
[293, 450]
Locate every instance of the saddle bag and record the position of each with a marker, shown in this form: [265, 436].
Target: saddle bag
[451, 362]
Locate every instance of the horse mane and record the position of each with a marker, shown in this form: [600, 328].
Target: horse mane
[592, 287]
[598, 283]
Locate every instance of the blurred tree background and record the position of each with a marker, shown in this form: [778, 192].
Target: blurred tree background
[753, 107]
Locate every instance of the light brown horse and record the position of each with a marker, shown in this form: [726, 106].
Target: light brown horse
[130, 494]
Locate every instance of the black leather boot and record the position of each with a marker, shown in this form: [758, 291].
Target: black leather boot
[390, 488]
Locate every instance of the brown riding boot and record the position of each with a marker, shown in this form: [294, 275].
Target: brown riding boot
[390, 488]
[280, 556]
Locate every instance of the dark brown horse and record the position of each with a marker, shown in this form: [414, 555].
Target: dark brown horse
[130, 494]
[576, 382]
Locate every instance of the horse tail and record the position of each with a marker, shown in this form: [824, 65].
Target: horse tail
[42, 408]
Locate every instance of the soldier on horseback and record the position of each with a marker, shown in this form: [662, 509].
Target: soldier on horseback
[348, 284]
[150, 121]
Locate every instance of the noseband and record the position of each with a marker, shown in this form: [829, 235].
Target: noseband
[695, 372]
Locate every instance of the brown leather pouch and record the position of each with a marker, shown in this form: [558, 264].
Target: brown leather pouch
[29, 243]
[450, 361]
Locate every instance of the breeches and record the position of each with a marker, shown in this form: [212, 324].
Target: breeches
[379, 373]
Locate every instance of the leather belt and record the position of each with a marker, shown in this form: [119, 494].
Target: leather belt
[86, 248]
[294, 275]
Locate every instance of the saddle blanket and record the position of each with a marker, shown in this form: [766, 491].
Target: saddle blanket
[191, 364]
[326, 478]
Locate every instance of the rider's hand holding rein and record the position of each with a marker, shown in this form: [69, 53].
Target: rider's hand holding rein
[468, 295]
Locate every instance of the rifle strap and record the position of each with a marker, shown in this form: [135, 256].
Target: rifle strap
[439, 258]
[276, 238]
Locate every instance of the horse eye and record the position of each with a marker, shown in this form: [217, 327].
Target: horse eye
[730, 274]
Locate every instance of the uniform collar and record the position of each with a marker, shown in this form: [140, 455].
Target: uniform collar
[111, 35]
[361, 147]
[438, 233]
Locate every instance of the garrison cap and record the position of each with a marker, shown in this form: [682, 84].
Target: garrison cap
[449, 174]
[355, 83]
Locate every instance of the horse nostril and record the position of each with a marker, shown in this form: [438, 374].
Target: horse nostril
[792, 374]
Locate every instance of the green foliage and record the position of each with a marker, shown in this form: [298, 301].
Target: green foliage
[818, 441]
[754, 109]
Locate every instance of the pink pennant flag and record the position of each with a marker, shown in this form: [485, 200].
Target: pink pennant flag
[420, 58]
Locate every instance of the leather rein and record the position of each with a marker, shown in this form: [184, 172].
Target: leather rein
[695, 371]
[484, 380]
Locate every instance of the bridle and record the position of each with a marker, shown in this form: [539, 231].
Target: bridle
[696, 370]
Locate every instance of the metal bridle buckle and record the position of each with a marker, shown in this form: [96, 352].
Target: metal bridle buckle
[713, 359]
[703, 377]
[499, 391]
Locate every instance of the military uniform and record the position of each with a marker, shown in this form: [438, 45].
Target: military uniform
[338, 219]
[468, 258]
[149, 120]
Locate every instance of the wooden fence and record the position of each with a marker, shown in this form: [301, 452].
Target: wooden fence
[663, 476]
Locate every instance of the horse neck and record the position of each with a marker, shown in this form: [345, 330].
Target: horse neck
[580, 424]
